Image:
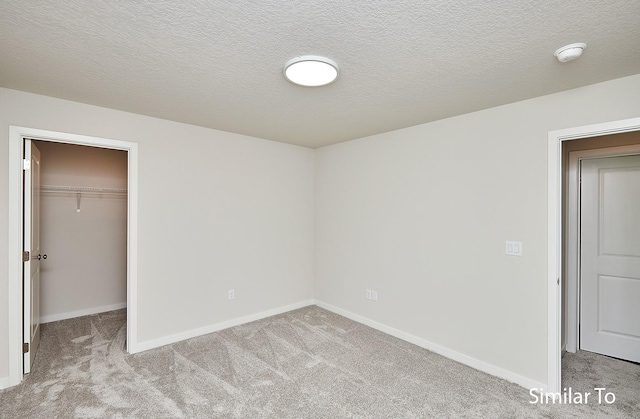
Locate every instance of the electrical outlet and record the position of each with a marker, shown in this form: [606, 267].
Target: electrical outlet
[368, 295]
[232, 294]
[374, 295]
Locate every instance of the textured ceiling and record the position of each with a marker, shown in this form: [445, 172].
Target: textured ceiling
[218, 64]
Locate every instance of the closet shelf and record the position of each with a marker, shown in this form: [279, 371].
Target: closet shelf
[82, 189]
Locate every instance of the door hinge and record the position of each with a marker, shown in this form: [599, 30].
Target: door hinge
[26, 256]
[26, 164]
[25, 347]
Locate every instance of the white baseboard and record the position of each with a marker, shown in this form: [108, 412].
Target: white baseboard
[4, 383]
[80, 313]
[441, 350]
[167, 340]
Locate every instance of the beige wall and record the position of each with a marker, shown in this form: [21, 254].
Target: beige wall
[421, 215]
[86, 268]
[216, 211]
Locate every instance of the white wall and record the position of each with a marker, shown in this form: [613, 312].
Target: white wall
[216, 211]
[86, 268]
[421, 215]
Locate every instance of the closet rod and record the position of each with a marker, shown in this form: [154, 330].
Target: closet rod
[81, 189]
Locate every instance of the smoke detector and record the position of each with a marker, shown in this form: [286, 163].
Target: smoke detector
[570, 52]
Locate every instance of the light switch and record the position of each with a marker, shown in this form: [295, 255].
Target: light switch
[514, 248]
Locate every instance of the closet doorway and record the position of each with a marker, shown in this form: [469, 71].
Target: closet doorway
[83, 230]
[78, 233]
[585, 235]
[79, 245]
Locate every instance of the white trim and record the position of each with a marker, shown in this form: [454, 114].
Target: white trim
[572, 248]
[572, 268]
[439, 349]
[573, 233]
[14, 261]
[554, 264]
[16, 136]
[554, 233]
[178, 337]
[4, 383]
[79, 313]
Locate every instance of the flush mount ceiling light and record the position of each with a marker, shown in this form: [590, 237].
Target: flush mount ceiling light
[311, 71]
[569, 52]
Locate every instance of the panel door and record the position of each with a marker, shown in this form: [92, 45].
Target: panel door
[31, 277]
[610, 257]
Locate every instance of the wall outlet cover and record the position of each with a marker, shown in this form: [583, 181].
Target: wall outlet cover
[513, 248]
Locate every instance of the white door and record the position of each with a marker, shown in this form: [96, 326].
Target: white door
[31, 277]
[610, 257]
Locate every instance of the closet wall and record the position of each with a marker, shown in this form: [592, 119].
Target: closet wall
[85, 270]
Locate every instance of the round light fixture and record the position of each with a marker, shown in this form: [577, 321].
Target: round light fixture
[311, 71]
[569, 52]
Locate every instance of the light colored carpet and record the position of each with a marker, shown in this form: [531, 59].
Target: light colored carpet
[308, 363]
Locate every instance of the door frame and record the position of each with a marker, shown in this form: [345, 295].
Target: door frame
[554, 233]
[17, 135]
[573, 278]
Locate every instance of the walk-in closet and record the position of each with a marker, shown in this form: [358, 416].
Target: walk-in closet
[83, 230]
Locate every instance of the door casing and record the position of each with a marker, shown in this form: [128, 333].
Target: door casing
[15, 305]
